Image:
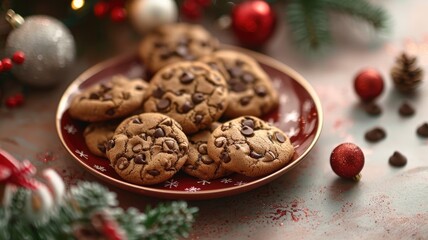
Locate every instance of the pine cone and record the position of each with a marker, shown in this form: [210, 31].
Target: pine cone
[406, 75]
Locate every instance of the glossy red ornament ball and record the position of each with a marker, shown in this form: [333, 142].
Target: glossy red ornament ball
[101, 9]
[347, 160]
[18, 57]
[368, 84]
[118, 14]
[7, 64]
[191, 9]
[253, 22]
[1, 66]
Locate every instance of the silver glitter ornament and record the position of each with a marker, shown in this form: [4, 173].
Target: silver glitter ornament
[48, 46]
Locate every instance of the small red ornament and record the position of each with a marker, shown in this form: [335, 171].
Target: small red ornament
[1, 66]
[118, 14]
[347, 161]
[253, 22]
[14, 101]
[368, 84]
[18, 57]
[191, 9]
[101, 9]
[7, 64]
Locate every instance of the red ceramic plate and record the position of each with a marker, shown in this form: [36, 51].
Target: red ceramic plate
[299, 115]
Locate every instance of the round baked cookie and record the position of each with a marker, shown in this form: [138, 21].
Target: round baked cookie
[174, 43]
[116, 98]
[199, 164]
[189, 92]
[97, 135]
[148, 148]
[250, 88]
[250, 146]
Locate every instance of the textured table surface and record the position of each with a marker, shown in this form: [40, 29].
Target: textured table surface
[309, 202]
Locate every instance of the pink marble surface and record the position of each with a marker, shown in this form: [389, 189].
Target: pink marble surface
[310, 202]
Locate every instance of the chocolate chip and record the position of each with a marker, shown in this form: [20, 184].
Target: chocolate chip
[190, 166]
[202, 149]
[167, 122]
[373, 109]
[197, 98]
[187, 106]
[260, 91]
[159, 44]
[269, 157]
[170, 144]
[279, 137]
[101, 147]
[165, 54]
[163, 104]
[107, 97]
[184, 148]
[122, 163]
[110, 111]
[166, 75]
[94, 96]
[220, 141]
[153, 172]
[139, 88]
[245, 101]
[143, 136]
[140, 159]
[239, 63]
[422, 131]
[375, 135]
[406, 110]
[158, 92]
[238, 87]
[206, 160]
[110, 144]
[137, 148]
[187, 77]
[255, 155]
[198, 118]
[136, 120]
[248, 123]
[220, 106]
[397, 159]
[247, 77]
[235, 72]
[224, 156]
[159, 133]
[204, 44]
[247, 131]
[126, 95]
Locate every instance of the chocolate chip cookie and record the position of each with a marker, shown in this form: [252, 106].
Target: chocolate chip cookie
[97, 135]
[199, 164]
[250, 146]
[250, 88]
[148, 148]
[175, 43]
[189, 92]
[116, 98]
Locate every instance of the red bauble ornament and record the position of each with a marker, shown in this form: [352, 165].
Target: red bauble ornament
[101, 9]
[1, 66]
[253, 22]
[191, 9]
[204, 3]
[368, 84]
[18, 57]
[15, 100]
[118, 14]
[347, 161]
[7, 64]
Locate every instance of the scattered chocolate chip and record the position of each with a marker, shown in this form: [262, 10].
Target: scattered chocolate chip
[220, 106]
[110, 111]
[159, 44]
[153, 172]
[245, 101]
[202, 149]
[187, 77]
[158, 92]
[224, 156]
[101, 147]
[167, 75]
[184, 148]
[143, 136]
[94, 96]
[197, 98]
[167, 122]
[247, 77]
[422, 130]
[169, 143]
[207, 160]
[136, 120]
[239, 63]
[248, 123]
[110, 144]
[159, 133]
[198, 118]
[373, 109]
[107, 97]
[220, 141]
[238, 87]
[406, 110]
[397, 159]
[163, 104]
[139, 88]
[187, 106]
[375, 135]
[260, 91]
[269, 157]
[126, 95]
[255, 155]
[140, 159]
[137, 148]
[235, 72]
[247, 131]
[279, 137]
[122, 163]
[204, 44]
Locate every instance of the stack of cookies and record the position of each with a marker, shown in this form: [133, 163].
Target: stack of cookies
[150, 131]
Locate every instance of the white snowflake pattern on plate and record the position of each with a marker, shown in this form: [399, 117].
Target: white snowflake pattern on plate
[192, 189]
[81, 154]
[171, 183]
[226, 180]
[240, 183]
[203, 182]
[292, 116]
[100, 168]
[70, 129]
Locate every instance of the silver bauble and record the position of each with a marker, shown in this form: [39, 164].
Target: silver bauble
[148, 14]
[49, 49]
